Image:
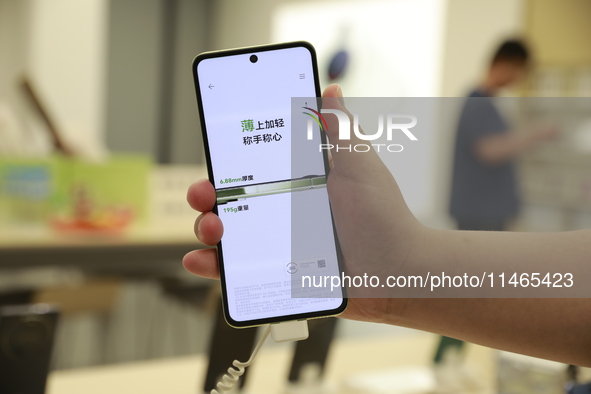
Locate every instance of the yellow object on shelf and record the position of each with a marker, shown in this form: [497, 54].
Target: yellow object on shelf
[75, 195]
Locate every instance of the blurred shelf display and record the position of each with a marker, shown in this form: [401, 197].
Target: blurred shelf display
[556, 183]
[74, 195]
[556, 176]
[162, 231]
[574, 81]
[560, 179]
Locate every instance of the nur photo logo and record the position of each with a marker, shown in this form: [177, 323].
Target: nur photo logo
[390, 123]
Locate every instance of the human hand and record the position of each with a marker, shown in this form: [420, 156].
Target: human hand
[372, 239]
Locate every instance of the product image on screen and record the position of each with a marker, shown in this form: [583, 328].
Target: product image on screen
[276, 216]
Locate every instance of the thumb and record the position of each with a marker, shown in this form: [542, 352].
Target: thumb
[353, 155]
[332, 99]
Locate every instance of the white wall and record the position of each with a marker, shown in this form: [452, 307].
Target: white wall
[13, 37]
[134, 68]
[394, 45]
[13, 58]
[187, 145]
[238, 23]
[66, 62]
[394, 49]
[472, 30]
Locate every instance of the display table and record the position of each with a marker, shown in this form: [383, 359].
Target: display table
[269, 372]
[22, 247]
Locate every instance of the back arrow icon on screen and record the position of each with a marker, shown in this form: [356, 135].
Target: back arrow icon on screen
[211, 86]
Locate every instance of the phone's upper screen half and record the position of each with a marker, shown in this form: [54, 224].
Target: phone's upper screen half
[247, 109]
[272, 233]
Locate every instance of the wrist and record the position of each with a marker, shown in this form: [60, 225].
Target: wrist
[422, 251]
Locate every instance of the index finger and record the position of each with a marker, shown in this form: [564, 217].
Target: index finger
[201, 195]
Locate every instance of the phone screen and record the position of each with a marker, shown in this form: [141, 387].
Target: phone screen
[264, 201]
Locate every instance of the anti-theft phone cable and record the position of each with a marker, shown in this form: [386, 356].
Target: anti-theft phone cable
[281, 332]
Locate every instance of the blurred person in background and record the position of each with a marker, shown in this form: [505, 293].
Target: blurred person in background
[484, 192]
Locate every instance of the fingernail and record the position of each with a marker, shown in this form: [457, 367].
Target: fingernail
[199, 228]
[340, 95]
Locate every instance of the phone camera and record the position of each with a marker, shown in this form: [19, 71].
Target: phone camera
[254, 58]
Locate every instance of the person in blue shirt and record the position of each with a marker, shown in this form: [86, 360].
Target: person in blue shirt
[484, 193]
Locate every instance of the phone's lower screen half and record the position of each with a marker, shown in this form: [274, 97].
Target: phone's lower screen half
[275, 247]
